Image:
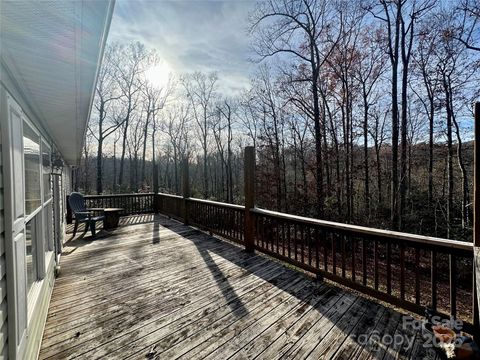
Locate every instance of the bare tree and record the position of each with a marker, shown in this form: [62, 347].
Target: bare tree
[154, 99]
[223, 132]
[201, 89]
[468, 28]
[129, 67]
[175, 127]
[274, 25]
[106, 95]
[371, 66]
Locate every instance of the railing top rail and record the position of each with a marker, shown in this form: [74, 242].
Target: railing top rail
[117, 195]
[171, 195]
[217, 203]
[393, 235]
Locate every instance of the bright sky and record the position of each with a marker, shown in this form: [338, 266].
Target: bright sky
[190, 36]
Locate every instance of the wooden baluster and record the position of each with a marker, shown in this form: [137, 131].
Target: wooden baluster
[295, 241]
[232, 222]
[402, 271]
[235, 222]
[257, 227]
[389, 268]
[259, 222]
[264, 241]
[325, 250]
[283, 238]
[302, 242]
[433, 278]
[289, 240]
[364, 261]
[239, 226]
[353, 241]
[277, 236]
[271, 238]
[269, 235]
[317, 250]
[453, 285]
[212, 223]
[309, 246]
[375, 259]
[343, 255]
[334, 253]
[228, 222]
[417, 276]
[242, 229]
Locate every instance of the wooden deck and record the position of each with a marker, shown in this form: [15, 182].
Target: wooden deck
[157, 289]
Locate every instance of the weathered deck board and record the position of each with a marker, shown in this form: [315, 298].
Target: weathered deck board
[158, 289]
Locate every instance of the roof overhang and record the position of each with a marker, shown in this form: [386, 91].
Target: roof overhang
[53, 50]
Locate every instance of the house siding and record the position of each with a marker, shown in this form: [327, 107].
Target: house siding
[38, 309]
[3, 278]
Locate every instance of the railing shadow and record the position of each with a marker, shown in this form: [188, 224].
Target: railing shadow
[323, 297]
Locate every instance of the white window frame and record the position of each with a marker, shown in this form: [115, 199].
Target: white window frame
[46, 202]
[43, 254]
[34, 128]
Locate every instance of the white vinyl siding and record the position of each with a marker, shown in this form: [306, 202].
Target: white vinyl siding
[3, 279]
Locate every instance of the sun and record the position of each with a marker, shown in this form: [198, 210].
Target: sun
[159, 75]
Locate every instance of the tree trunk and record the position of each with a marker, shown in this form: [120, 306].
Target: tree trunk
[365, 153]
[318, 144]
[403, 154]
[463, 171]
[122, 158]
[99, 166]
[114, 184]
[449, 161]
[144, 150]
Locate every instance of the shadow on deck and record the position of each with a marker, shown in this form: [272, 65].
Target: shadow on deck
[157, 289]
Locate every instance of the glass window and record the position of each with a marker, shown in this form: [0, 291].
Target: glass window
[31, 153]
[46, 164]
[31, 241]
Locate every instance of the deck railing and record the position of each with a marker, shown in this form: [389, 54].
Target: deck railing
[171, 205]
[410, 271]
[223, 219]
[130, 203]
[406, 270]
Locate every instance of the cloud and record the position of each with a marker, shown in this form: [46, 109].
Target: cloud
[191, 35]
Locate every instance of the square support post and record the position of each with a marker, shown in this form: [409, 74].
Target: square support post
[249, 178]
[186, 189]
[156, 198]
[476, 223]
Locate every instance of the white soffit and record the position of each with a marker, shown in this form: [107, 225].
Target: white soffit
[52, 50]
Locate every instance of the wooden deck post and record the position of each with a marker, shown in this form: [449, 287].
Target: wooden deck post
[249, 178]
[476, 221]
[156, 198]
[186, 189]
